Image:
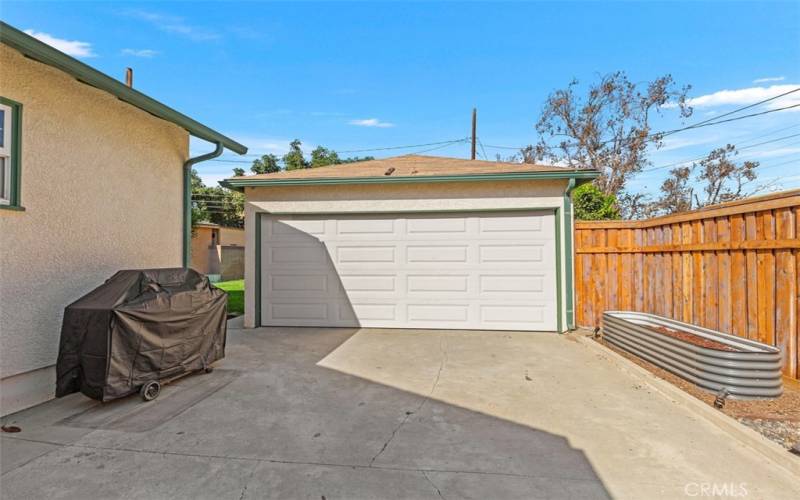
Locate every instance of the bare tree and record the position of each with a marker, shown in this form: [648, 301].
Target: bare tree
[720, 178]
[725, 179]
[608, 130]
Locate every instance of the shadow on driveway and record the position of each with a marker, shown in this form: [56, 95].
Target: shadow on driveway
[272, 421]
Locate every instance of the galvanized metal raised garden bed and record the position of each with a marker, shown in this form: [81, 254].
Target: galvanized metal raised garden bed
[749, 370]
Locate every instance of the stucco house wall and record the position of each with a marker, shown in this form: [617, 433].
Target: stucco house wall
[101, 187]
[206, 259]
[231, 236]
[201, 241]
[395, 198]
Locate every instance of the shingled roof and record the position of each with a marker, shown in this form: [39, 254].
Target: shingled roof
[408, 168]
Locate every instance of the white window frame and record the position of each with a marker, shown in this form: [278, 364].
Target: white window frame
[6, 153]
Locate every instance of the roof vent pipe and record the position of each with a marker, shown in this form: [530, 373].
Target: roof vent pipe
[129, 77]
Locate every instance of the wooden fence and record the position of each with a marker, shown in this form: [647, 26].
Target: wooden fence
[734, 267]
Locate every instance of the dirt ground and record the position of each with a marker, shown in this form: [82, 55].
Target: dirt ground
[777, 419]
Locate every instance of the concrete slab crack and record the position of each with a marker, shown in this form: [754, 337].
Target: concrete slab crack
[438, 491]
[442, 363]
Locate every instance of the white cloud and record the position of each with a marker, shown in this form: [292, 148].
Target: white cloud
[750, 95]
[70, 47]
[770, 79]
[173, 24]
[371, 122]
[140, 52]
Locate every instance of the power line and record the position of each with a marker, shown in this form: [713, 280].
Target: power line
[483, 151]
[706, 155]
[793, 160]
[715, 118]
[443, 143]
[403, 147]
[451, 143]
[706, 123]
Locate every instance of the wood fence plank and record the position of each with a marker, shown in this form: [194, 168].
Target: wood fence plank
[766, 289]
[666, 273]
[601, 273]
[724, 277]
[786, 293]
[698, 283]
[638, 272]
[625, 276]
[711, 276]
[580, 295]
[688, 274]
[677, 275]
[588, 281]
[751, 233]
[612, 284]
[738, 282]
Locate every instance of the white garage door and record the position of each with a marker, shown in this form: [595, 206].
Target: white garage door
[436, 270]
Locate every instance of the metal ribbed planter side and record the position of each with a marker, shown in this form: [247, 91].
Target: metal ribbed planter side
[751, 371]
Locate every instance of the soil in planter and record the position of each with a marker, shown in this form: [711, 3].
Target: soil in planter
[777, 419]
[692, 338]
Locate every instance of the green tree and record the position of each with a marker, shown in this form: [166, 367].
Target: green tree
[591, 204]
[238, 172]
[294, 159]
[199, 212]
[216, 204]
[322, 157]
[267, 164]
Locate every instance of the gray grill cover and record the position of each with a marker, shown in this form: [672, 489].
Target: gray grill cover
[138, 326]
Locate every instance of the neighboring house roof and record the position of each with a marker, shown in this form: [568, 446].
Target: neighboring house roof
[410, 168]
[40, 51]
[206, 224]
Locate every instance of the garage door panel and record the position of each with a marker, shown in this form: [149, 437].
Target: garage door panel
[467, 271]
[436, 225]
[294, 282]
[301, 229]
[512, 284]
[497, 253]
[385, 312]
[369, 283]
[355, 254]
[436, 254]
[416, 283]
[372, 226]
[297, 255]
[514, 225]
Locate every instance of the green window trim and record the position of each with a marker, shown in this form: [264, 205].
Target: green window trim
[15, 170]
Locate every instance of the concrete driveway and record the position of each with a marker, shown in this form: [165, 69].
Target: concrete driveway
[336, 413]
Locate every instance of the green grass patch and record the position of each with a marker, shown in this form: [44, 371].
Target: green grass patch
[235, 291]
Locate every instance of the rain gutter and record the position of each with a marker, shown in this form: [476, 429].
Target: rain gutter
[187, 199]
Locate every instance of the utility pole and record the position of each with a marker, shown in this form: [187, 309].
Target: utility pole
[474, 130]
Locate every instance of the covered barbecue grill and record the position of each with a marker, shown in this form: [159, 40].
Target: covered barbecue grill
[140, 328]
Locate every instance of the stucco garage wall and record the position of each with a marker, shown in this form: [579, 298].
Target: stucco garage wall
[354, 198]
[102, 189]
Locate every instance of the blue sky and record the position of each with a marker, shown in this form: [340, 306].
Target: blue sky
[365, 75]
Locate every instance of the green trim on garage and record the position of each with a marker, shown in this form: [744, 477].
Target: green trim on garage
[568, 254]
[239, 183]
[559, 321]
[257, 268]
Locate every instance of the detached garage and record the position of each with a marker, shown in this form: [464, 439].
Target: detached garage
[411, 242]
